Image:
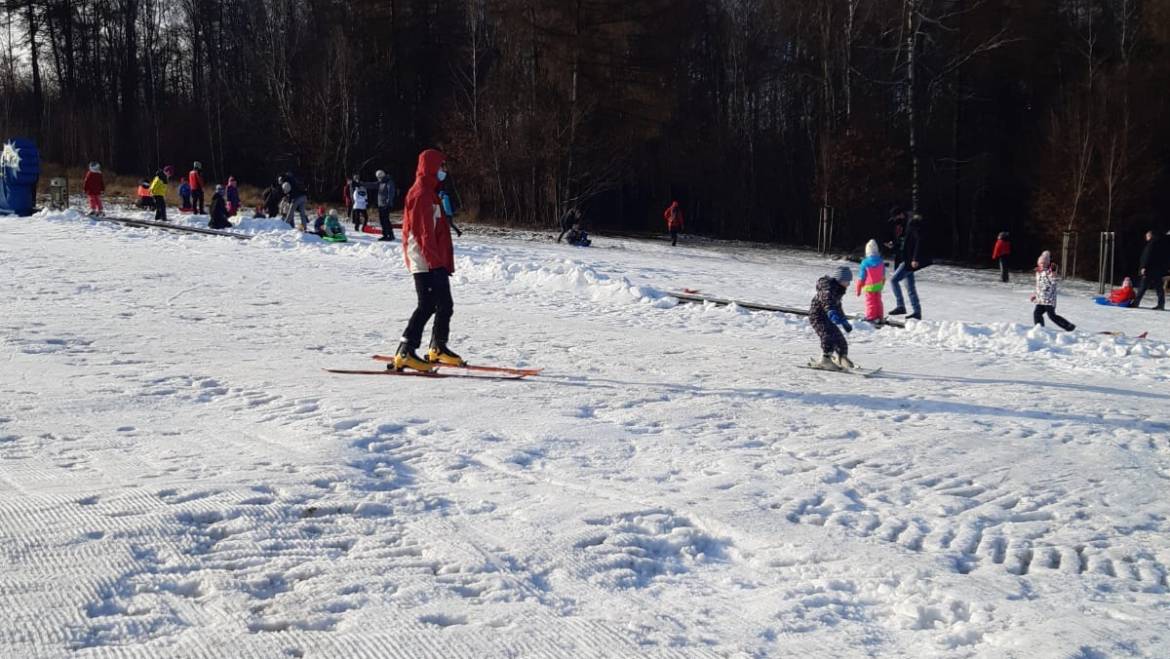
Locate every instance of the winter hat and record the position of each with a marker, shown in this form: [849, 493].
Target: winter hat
[218, 188]
[1045, 259]
[333, 211]
[95, 167]
[286, 186]
[843, 275]
[872, 249]
[197, 165]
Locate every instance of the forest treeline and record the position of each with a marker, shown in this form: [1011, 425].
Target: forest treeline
[1032, 116]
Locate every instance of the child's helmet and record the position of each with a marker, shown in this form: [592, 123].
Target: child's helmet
[95, 167]
[381, 173]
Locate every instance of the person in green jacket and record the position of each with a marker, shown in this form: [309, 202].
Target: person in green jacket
[333, 230]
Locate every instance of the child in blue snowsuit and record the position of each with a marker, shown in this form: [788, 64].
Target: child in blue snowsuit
[825, 314]
[185, 196]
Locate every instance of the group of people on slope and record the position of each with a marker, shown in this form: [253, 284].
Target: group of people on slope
[826, 314]
[225, 202]
[356, 195]
[1153, 266]
[573, 226]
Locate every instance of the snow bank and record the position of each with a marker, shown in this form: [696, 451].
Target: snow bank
[1117, 354]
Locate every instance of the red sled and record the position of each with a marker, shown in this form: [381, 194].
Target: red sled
[377, 230]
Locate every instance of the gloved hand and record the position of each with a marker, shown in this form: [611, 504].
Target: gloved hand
[847, 327]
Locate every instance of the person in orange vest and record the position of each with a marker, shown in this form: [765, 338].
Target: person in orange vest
[674, 221]
[195, 180]
[1002, 250]
[94, 185]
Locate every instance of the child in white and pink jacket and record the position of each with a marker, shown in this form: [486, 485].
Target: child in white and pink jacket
[1045, 296]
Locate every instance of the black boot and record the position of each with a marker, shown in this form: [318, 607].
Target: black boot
[898, 311]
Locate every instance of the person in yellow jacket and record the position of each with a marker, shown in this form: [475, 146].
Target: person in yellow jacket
[158, 191]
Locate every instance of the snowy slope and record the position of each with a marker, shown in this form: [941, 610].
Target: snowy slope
[179, 478]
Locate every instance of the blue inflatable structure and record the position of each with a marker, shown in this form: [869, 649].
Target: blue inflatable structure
[20, 168]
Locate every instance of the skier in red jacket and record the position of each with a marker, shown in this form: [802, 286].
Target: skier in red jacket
[94, 185]
[674, 221]
[195, 180]
[430, 258]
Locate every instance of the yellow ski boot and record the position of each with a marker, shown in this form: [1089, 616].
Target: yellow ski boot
[444, 356]
[406, 358]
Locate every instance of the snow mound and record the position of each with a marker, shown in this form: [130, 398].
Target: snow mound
[562, 277]
[1115, 353]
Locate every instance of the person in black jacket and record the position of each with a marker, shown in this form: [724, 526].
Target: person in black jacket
[571, 217]
[909, 257]
[1154, 263]
[219, 216]
[272, 195]
[825, 314]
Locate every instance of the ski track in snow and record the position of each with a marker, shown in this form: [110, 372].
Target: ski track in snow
[179, 478]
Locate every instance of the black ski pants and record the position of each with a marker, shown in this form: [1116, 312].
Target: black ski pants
[384, 220]
[434, 299]
[1042, 309]
[832, 340]
[360, 217]
[197, 200]
[1003, 269]
[673, 237]
[1156, 283]
[160, 208]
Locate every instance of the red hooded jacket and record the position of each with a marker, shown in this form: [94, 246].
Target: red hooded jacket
[673, 217]
[93, 183]
[195, 180]
[1002, 248]
[426, 231]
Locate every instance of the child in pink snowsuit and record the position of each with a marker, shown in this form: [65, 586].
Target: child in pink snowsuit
[871, 278]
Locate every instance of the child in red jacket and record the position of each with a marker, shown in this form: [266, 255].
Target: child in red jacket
[1119, 297]
[1002, 250]
[674, 221]
[94, 186]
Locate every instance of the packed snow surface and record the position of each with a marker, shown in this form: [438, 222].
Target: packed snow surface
[179, 477]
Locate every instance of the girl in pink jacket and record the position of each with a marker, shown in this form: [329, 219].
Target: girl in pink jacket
[871, 278]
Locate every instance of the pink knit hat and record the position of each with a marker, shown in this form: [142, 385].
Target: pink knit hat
[1045, 259]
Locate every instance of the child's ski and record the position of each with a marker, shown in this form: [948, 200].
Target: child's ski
[862, 372]
[508, 370]
[432, 374]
